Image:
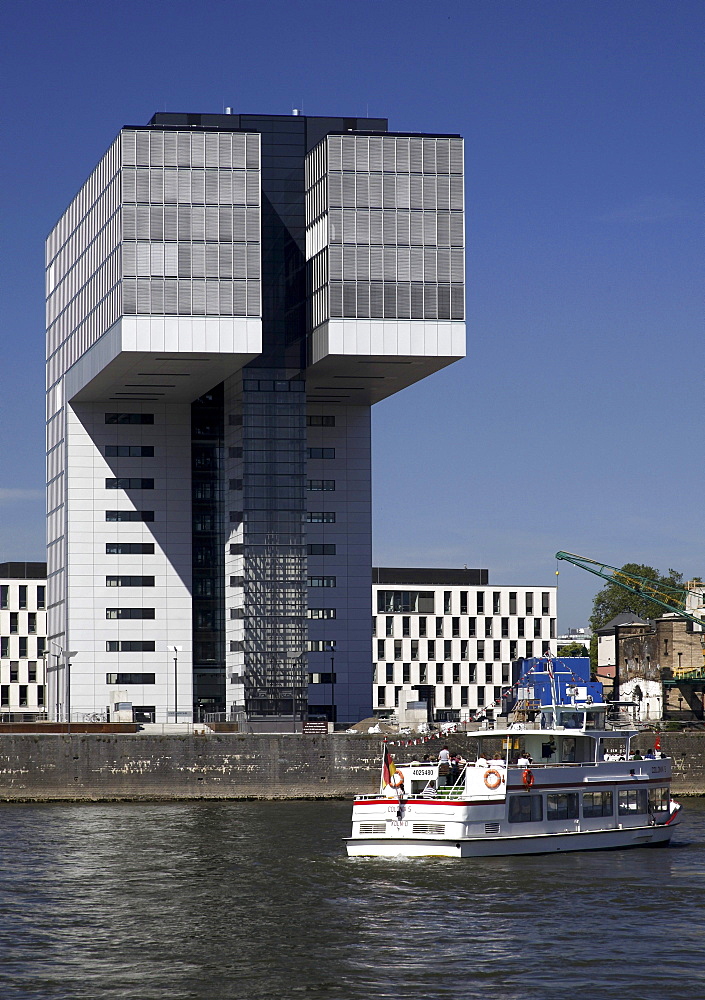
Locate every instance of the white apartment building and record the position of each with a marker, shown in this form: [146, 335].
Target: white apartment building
[22, 641]
[449, 637]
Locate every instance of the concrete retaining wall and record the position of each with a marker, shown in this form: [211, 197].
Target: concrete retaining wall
[232, 766]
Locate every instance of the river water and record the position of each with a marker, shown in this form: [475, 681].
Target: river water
[221, 901]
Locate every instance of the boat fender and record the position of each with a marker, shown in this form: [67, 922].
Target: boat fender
[397, 780]
[528, 778]
[493, 779]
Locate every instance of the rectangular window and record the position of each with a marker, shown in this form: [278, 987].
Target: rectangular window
[381, 653]
[496, 598]
[41, 645]
[381, 696]
[455, 628]
[397, 649]
[14, 622]
[439, 673]
[406, 673]
[505, 673]
[41, 598]
[463, 602]
[320, 517]
[32, 671]
[23, 598]
[431, 652]
[4, 646]
[447, 595]
[389, 625]
[448, 696]
[423, 673]
[480, 602]
[422, 627]
[4, 596]
[130, 679]
[40, 696]
[562, 806]
[520, 627]
[23, 695]
[529, 602]
[141, 614]
[464, 649]
[447, 649]
[464, 697]
[537, 628]
[23, 647]
[659, 800]
[14, 671]
[488, 627]
[505, 628]
[321, 550]
[320, 645]
[529, 650]
[497, 649]
[32, 622]
[321, 581]
[406, 626]
[545, 603]
[320, 420]
[390, 673]
[321, 452]
[552, 632]
[129, 646]
[489, 669]
[512, 602]
[5, 695]
[129, 515]
[525, 809]
[321, 485]
[129, 581]
[129, 484]
[472, 673]
[456, 673]
[480, 649]
[405, 601]
[597, 804]
[320, 613]
[414, 649]
[129, 548]
[472, 627]
[129, 418]
[632, 802]
[480, 697]
[129, 451]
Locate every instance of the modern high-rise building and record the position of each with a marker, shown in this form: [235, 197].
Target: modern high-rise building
[227, 296]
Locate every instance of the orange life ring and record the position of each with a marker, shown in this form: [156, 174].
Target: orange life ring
[528, 778]
[494, 775]
[399, 782]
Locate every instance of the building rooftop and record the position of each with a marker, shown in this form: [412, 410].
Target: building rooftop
[23, 570]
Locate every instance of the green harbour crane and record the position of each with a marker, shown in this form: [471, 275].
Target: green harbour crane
[680, 601]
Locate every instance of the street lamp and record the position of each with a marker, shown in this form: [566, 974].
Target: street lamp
[68, 655]
[177, 650]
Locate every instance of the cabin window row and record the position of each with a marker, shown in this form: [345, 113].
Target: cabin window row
[566, 805]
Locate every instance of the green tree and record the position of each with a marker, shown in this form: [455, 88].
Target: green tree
[613, 599]
[573, 649]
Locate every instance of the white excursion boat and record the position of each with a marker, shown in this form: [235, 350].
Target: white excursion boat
[572, 787]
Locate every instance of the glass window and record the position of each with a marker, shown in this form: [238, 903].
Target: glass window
[525, 808]
[320, 420]
[390, 673]
[447, 595]
[463, 602]
[4, 596]
[23, 598]
[129, 418]
[397, 649]
[439, 673]
[659, 800]
[455, 627]
[496, 598]
[321, 452]
[414, 649]
[389, 625]
[562, 806]
[447, 649]
[597, 804]
[320, 517]
[380, 649]
[406, 673]
[529, 603]
[480, 602]
[632, 802]
[423, 673]
[439, 627]
[41, 598]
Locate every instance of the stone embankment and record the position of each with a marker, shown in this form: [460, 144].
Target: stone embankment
[130, 767]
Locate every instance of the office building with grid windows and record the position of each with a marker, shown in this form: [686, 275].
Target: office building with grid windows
[448, 637]
[23, 645]
[227, 297]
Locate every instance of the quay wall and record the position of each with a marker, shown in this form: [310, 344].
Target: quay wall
[108, 766]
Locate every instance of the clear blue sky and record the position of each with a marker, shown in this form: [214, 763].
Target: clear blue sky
[576, 421]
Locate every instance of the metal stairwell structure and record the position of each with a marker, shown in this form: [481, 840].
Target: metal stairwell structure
[685, 602]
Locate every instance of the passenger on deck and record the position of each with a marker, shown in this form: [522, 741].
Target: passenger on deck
[482, 761]
[497, 762]
[523, 760]
[454, 771]
[429, 791]
[650, 754]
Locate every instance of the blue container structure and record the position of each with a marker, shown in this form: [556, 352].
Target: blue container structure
[570, 682]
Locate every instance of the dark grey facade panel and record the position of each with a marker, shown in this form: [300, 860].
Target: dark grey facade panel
[403, 576]
[23, 570]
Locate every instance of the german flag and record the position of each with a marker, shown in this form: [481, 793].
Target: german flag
[388, 768]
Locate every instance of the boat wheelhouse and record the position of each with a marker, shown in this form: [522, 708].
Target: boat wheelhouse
[563, 782]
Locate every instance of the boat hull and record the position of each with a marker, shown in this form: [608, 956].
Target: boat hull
[552, 843]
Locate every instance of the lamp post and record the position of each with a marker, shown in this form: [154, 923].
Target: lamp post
[332, 690]
[177, 650]
[68, 655]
